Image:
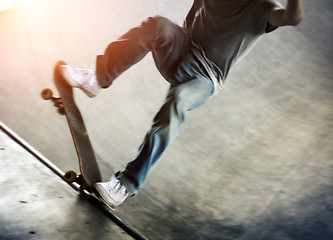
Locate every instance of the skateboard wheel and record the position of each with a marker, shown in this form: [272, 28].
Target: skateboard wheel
[61, 110]
[47, 94]
[70, 176]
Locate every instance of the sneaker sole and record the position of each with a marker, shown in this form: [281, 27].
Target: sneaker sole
[103, 195]
[111, 207]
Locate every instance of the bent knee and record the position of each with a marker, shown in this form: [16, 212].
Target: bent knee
[157, 19]
[191, 95]
[178, 99]
[163, 28]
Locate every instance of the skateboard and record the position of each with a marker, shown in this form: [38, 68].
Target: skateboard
[89, 171]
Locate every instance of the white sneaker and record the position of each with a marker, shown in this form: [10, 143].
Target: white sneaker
[113, 192]
[85, 79]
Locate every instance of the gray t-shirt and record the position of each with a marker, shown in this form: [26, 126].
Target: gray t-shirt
[226, 29]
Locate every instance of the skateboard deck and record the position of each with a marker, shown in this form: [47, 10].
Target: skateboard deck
[90, 173]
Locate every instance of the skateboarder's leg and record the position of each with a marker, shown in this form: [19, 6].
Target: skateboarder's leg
[190, 87]
[153, 34]
[156, 33]
[166, 125]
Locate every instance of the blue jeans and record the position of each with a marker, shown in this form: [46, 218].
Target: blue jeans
[190, 86]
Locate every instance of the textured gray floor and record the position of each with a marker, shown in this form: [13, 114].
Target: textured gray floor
[255, 162]
[36, 204]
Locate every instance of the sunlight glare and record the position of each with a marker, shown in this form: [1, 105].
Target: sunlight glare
[7, 4]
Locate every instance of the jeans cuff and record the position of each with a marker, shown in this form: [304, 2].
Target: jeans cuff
[128, 183]
[100, 72]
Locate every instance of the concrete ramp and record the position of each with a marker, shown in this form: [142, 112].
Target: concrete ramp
[36, 204]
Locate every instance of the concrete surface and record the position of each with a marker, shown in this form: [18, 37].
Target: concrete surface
[254, 162]
[37, 204]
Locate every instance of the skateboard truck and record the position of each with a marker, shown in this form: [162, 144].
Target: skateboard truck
[71, 176]
[47, 94]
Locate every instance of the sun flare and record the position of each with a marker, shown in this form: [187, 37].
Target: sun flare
[7, 4]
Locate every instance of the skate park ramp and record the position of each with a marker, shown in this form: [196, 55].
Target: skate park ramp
[254, 162]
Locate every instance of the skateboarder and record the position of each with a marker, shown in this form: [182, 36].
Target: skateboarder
[195, 59]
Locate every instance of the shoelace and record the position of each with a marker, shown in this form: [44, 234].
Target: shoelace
[116, 188]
